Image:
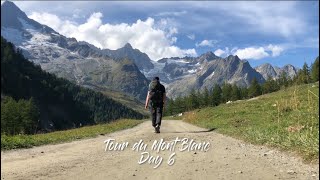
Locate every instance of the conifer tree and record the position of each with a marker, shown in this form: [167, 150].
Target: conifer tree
[315, 70]
[254, 89]
[216, 95]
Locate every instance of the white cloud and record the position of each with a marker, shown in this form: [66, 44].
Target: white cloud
[156, 40]
[222, 53]
[283, 18]
[173, 13]
[209, 43]
[53, 21]
[191, 36]
[252, 52]
[276, 50]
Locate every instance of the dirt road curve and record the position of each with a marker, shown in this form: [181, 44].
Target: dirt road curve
[227, 158]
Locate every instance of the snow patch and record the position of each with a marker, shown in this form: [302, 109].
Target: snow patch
[192, 71]
[55, 34]
[211, 75]
[179, 61]
[158, 68]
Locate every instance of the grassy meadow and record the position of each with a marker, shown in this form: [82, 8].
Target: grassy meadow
[287, 119]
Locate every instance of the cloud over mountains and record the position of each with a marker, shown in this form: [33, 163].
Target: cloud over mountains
[154, 38]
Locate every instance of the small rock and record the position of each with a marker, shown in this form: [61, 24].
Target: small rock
[291, 172]
[313, 175]
[42, 152]
[226, 148]
[240, 172]
[195, 153]
[136, 170]
[133, 175]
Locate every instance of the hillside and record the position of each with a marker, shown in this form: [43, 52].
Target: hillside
[77, 61]
[60, 103]
[287, 119]
[126, 100]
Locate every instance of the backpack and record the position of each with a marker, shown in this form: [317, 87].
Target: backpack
[156, 94]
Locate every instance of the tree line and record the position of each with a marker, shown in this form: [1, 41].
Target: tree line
[33, 100]
[230, 92]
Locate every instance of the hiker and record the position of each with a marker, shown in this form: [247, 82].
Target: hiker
[156, 98]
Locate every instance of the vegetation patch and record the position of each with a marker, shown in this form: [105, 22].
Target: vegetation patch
[28, 141]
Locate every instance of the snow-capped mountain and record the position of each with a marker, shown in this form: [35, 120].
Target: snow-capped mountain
[209, 69]
[80, 62]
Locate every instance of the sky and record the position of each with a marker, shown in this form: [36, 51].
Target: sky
[279, 33]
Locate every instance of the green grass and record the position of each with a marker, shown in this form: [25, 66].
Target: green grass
[287, 119]
[28, 141]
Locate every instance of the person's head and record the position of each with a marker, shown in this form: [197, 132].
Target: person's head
[156, 78]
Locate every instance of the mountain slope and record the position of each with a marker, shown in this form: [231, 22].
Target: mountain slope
[79, 62]
[61, 103]
[267, 70]
[142, 60]
[181, 75]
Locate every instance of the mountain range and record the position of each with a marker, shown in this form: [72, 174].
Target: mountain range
[127, 70]
[274, 72]
[79, 62]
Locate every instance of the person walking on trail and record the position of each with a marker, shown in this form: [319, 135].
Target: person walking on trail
[156, 98]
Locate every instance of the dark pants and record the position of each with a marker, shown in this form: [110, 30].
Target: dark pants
[156, 115]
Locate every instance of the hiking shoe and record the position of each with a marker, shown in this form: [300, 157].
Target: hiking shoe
[157, 128]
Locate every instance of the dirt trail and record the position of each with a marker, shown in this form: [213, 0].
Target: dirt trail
[227, 158]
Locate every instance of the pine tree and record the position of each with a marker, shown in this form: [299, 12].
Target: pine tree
[216, 95]
[254, 89]
[303, 74]
[180, 104]
[206, 97]
[315, 70]
[226, 92]
[235, 93]
[283, 79]
[169, 107]
[194, 100]
[244, 92]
